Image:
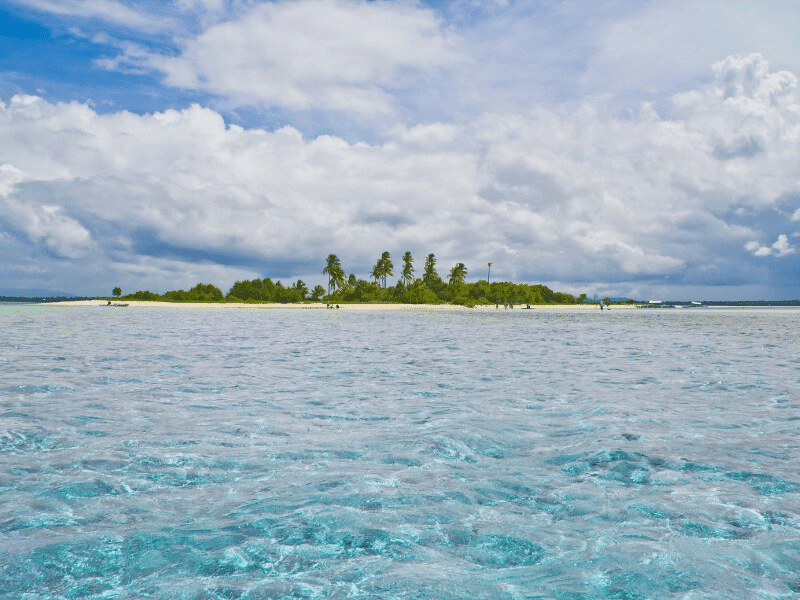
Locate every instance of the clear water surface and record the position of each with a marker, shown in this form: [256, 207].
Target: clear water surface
[179, 453]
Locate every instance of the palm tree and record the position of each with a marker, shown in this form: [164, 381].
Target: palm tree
[318, 292]
[431, 277]
[376, 271]
[301, 287]
[335, 273]
[383, 268]
[408, 268]
[489, 272]
[386, 266]
[457, 274]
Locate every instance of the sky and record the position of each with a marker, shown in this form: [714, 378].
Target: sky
[647, 149]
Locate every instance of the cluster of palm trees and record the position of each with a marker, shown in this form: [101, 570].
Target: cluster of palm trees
[385, 268]
[427, 289]
[335, 272]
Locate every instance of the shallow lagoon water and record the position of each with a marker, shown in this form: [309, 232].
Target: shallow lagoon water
[154, 453]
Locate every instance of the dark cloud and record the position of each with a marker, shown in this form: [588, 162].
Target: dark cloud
[149, 243]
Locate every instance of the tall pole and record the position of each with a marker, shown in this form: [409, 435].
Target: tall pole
[489, 272]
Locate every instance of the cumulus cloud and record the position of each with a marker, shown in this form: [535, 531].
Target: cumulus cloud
[184, 183]
[781, 247]
[349, 56]
[556, 195]
[666, 45]
[62, 235]
[47, 223]
[648, 193]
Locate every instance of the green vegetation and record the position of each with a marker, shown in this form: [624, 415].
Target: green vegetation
[335, 273]
[317, 293]
[431, 278]
[383, 268]
[429, 289]
[202, 292]
[408, 268]
[264, 290]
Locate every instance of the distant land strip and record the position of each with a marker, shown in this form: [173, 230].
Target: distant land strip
[38, 299]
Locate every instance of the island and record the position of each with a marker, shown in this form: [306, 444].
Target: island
[429, 289]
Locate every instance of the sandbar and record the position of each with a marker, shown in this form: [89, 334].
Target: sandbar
[323, 306]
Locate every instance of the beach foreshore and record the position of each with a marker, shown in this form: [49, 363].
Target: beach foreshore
[324, 306]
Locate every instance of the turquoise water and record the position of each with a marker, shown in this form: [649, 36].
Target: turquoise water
[178, 453]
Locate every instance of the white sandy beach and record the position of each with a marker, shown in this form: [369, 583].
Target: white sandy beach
[323, 306]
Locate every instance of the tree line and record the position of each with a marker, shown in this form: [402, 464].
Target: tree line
[430, 288]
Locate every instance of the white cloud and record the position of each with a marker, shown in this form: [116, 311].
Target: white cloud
[648, 193]
[548, 195]
[670, 43]
[62, 235]
[208, 5]
[195, 184]
[46, 223]
[332, 54]
[429, 135]
[781, 247]
[111, 11]
[750, 117]
[9, 176]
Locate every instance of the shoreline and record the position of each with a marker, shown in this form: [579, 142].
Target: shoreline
[320, 306]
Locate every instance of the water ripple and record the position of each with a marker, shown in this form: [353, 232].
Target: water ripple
[283, 454]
